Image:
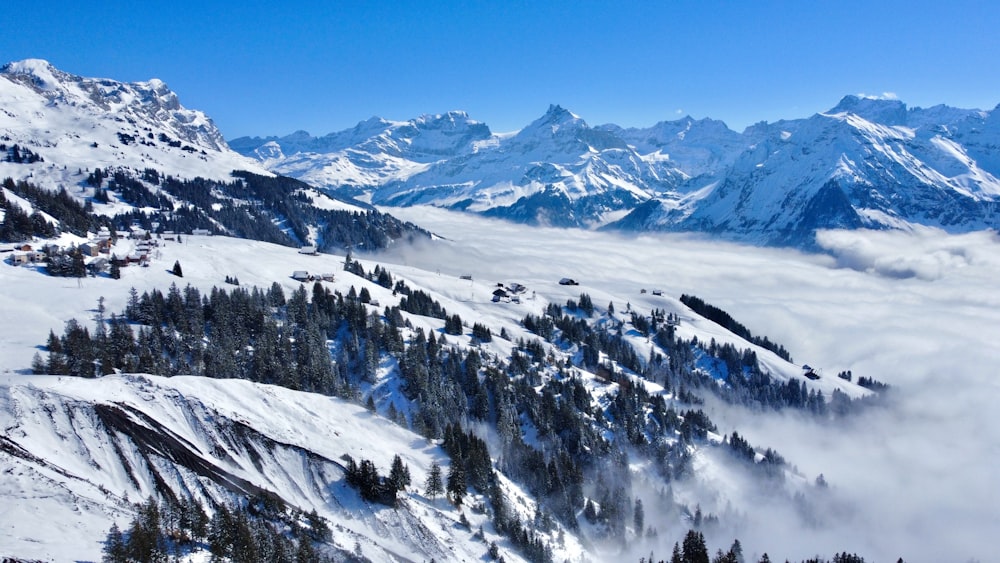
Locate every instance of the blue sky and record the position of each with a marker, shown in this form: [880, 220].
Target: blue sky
[260, 68]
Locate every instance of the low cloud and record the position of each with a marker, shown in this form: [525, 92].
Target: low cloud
[925, 253]
[916, 310]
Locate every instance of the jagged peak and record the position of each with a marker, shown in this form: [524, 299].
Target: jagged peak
[41, 72]
[455, 119]
[554, 119]
[453, 115]
[886, 110]
[558, 113]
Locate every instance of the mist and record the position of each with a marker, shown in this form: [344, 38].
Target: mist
[917, 310]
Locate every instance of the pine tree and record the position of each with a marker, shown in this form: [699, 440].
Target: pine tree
[399, 474]
[38, 365]
[676, 556]
[79, 268]
[434, 485]
[694, 548]
[639, 517]
[114, 546]
[456, 483]
[177, 269]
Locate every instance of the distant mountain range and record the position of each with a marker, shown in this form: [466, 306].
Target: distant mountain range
[872, 163]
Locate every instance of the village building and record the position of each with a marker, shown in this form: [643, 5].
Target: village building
[89, 249]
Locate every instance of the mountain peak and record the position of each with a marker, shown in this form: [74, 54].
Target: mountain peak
[558, 113]
[27, 66]
[877, 109]
[41, 72]
[454, 118]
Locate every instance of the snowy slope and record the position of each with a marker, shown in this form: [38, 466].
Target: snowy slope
[77, 123]
[88, 447]
[77, 450]
[832, 317]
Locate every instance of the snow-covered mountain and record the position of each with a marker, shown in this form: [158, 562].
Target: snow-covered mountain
[74, 122]
[134, 154]
[374, 152]
[558, 170]
[866, 162]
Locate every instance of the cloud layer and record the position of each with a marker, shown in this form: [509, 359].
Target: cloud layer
[916, 310]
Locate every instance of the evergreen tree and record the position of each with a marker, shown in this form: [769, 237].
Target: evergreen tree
[676, 556]
[145, 541]
[435, 484]
[38, 365]
[79, 267]
[177, 269]
[638, 517]
[399, 474]
[456, 483]
[694, 548]
[114, 546]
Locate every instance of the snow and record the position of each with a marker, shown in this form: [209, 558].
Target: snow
[70, 120]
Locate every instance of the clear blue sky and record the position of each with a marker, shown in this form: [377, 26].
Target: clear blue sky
[260, 68]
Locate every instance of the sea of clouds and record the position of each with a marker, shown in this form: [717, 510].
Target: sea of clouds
[918, 310]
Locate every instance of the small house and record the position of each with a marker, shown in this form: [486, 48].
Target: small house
[300, 276]
[501, 295]
[327, 277]
[657, 292]
[466, 277]
[97, 266]
[201, 232]
[310, 250]
[568, 281]
[90, 249]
